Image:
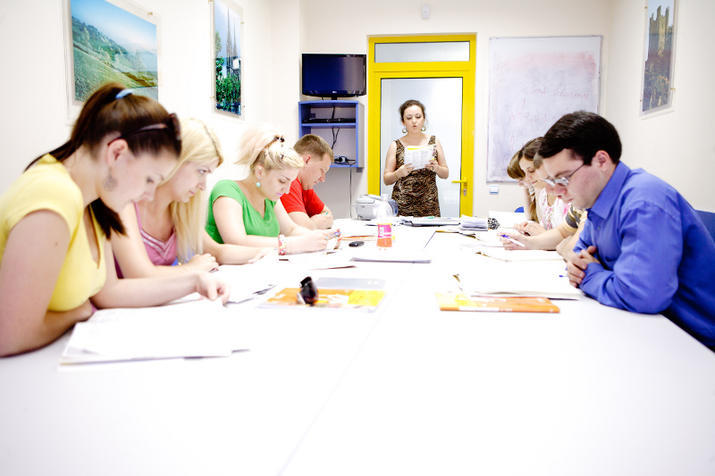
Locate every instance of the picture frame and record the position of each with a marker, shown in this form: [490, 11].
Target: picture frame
[110, 40]
[658, 56]
[227, 22]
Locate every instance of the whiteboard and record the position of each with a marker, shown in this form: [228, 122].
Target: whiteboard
[532, 83]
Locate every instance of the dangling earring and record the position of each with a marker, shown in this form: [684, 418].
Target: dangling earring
[404, 130]
[258, 184]
[109, 182]
[423, 128]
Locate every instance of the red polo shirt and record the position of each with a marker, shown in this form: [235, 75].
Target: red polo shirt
[299, 200]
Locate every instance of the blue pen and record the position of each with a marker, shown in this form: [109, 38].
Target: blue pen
[513, 240]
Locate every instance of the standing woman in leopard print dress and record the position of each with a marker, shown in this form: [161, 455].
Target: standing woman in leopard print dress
[415, 191]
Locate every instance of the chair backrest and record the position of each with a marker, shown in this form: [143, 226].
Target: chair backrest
[709, 219]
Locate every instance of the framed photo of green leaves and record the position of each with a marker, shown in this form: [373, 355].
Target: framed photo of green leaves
[227, 48]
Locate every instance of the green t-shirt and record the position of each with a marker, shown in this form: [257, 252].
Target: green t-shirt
[253, 222]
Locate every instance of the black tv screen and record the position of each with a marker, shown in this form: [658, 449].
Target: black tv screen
[333, 75]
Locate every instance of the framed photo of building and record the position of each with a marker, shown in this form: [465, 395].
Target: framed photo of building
[659, 51]
[227, 48]
[110, 41]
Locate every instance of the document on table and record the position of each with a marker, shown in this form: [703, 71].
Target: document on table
[190, 329]
[497, 252]
[391, 255]
[518, 279]
[419, 156]
[249, 281]
[507, 219]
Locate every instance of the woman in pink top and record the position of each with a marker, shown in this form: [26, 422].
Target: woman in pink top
[550, 210]
[170, 228]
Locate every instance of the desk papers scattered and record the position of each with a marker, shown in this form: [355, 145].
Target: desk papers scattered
[418, 156]
[189, 329]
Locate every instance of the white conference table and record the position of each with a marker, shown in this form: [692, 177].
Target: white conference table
[404, 390]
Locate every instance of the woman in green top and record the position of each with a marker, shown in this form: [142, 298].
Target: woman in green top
[249, 212]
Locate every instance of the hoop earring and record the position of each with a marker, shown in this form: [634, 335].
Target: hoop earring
[110, 183]
[258, 184]
[404, 130]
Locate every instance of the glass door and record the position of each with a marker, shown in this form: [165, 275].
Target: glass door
[442, 98]
[438, 71]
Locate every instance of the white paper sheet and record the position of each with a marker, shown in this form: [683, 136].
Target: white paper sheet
[198, 328]
[419, 156]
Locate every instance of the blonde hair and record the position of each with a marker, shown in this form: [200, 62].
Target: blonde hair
[200, 145]
[263, 146]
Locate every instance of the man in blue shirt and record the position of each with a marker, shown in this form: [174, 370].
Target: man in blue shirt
[643, 248]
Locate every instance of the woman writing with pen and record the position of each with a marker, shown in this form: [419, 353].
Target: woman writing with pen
[249, 212]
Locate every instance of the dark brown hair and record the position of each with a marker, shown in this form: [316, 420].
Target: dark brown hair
[102, 114]
[409, 103]
[584, 133]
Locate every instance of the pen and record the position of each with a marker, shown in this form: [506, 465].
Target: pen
[513, 240]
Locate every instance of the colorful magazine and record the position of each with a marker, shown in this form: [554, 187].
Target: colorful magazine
[462, 302]
[364, 299]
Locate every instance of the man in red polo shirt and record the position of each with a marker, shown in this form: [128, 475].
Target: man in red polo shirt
[301, 202]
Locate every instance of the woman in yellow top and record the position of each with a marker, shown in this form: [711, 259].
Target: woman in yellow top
[170, 228]
[55, 220]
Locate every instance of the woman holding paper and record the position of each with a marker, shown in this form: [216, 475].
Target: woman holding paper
[412, 163]
[170, 227]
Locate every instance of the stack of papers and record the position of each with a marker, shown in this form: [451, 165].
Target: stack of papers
[189, 329]
[474, 223]
[419, 156]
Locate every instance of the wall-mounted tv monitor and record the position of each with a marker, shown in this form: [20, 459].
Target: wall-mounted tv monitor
[334, 75]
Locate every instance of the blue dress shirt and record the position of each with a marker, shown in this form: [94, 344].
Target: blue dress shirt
[655, 253]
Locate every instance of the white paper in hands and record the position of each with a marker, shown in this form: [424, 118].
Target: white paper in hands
[419, 156]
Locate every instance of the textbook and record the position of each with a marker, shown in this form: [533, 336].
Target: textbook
[462, 302]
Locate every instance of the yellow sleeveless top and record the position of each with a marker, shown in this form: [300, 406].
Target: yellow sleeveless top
[47, 185]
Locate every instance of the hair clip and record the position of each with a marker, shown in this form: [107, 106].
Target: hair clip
[123, 93]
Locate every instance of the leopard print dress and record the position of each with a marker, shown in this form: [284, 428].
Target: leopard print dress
[415, 194]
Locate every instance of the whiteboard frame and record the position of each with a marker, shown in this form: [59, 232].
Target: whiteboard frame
[496, 166]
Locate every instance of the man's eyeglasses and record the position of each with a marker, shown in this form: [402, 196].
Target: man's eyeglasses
[562, 181]
[170, 126]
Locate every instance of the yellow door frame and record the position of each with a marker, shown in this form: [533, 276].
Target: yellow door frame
[437, 69]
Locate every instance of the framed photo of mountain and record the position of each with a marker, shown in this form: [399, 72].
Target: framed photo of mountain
[110, 41]
[227, 47]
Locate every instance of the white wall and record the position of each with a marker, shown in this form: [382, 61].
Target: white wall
[679, 145]
[35, 116]
[344, 27]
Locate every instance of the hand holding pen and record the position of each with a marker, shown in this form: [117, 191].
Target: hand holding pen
[513, 241]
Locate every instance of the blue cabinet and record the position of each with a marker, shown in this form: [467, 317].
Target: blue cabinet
[340, 123]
